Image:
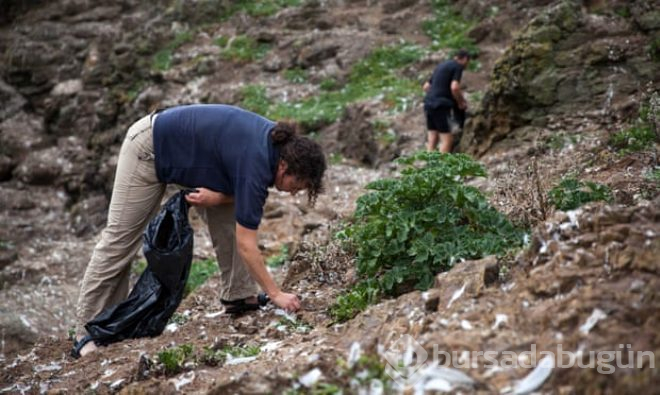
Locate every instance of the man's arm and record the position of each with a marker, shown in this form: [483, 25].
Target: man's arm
[458, 94]
[246, 241]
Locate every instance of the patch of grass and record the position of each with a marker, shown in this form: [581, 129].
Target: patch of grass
[261, 8]
[408, 229]
[173, 358]
[200, 271]
[297, 75]
[571, 193]
[162, 60]
[279, 259]
[374, 77]
[448, 29]
[653, 175]
[329, 84]
[243, 49]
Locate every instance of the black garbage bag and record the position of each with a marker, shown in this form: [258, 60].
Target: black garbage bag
[168, 247]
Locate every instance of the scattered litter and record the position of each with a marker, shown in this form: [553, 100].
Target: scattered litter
[237, 361]
[108, 373]
[172, 327]
[499, 320]
[183, 380]
[440, 378]
[536, 378]
[444, 322]
[313, 358]
[508, 287]
[457, 294]
[94, 386]
[637, 285]
[465, 324]
[310, 378]
[290, 317]
[354, 354]
[213, 315]
[272, 346]
[376, 387]
[596, 316]
[48, 368]
[116, 384]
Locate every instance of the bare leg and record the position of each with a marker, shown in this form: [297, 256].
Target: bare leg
[446, 140]
[432, 140]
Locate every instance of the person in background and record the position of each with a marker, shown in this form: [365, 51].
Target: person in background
[444, 96]
[229, 157]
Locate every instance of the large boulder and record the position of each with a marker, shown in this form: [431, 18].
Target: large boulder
[566, 61]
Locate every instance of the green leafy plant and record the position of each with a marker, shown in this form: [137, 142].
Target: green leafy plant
[173, 358]
[244, 49]
[279, 259]
[572, 193]
[408, 229]
[633, 139]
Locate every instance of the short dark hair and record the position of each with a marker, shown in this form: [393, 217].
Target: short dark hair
[462, 54]
[304, 158]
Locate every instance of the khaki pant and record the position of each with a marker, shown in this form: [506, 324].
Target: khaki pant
[136, 198]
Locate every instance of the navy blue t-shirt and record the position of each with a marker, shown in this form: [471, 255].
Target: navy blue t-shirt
[219, 147]
[440, 93]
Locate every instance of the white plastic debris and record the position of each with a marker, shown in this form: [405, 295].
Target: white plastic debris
[213, 315]
[172, 327]
[310, 378]
[536, 378]
[290, 317]
[457, 294]
[183, 380]
[237, 361]
[116, 384]
[354, 354]
[499, 320]
[441, 378]
[593, 319]
[376, 387]
[108, 373]
[48, 368]
[272, 346]
[465, 324]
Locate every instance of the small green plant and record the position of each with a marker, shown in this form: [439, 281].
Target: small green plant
[633, 139]
[384, 133]
[162, 60]
[279, 259]
[336, 158]
[408, 229]
[294, 325]
[178, 318]
[297, 75]
[173, 358]
[654, 175]
[448, 29]
[328, 84]
[200, 271]
[138, 266]
[215, 357]
[244, 49]
[572, 193]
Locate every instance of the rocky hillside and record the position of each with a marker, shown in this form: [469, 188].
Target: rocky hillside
[560, 91]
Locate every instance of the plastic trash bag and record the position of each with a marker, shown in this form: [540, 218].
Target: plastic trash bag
[168, 247]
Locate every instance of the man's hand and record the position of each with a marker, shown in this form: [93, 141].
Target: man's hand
[288, 302]
[203, 197]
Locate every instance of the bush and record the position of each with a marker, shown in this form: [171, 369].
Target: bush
[572, 193]
[408, 229]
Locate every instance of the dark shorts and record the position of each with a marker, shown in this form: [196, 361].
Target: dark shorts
[438, 118]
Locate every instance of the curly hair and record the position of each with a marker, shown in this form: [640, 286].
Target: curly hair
[304, 158]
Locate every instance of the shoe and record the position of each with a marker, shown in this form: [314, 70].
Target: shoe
[241, 306]
[78, 345]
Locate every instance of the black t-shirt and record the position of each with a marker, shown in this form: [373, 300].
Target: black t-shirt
[219, 147]
[439, 95]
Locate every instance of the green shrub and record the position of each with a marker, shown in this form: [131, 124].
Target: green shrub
[408, 229]
[278, 259]
[572, 193]
[633, 139]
